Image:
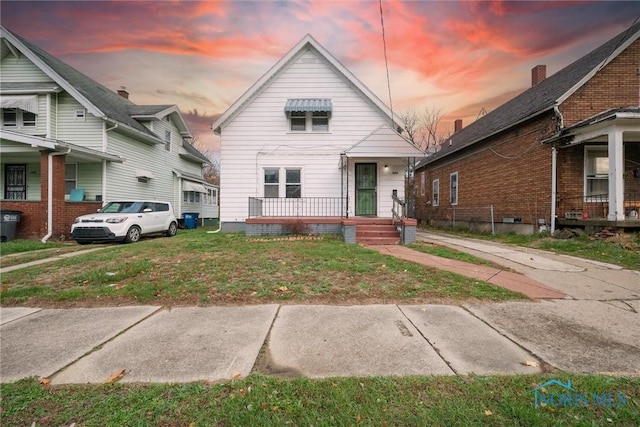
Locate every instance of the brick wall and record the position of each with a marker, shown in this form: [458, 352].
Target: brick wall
[511, 171]
[33, 221]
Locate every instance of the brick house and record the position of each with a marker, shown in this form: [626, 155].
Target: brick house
[565, 152]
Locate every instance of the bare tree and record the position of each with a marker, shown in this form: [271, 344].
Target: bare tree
[211, 171]
[422, 128]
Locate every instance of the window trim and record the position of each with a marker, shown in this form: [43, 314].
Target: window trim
[19, 122]
[435, 192]
[454, 191]
[309, 125]
[423, 183]
[74, 180]
[282, 184]
[167, 140]
[595, 177]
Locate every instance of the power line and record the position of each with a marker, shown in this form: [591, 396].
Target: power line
[386, 64]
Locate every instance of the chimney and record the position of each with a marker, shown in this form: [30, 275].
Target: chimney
[457, 125]
[123, 92]
[538, 74]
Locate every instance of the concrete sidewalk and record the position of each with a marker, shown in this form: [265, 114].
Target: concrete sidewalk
[220, 343]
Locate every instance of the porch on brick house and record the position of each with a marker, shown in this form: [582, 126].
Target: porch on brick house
[328, 215]
[592, 212]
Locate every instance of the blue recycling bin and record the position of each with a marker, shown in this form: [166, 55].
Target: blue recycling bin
[190, 220]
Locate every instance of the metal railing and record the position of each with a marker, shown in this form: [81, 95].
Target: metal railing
[398, 211]
[297, 207]
[593, 207]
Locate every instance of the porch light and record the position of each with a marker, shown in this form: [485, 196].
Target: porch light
[386, 167]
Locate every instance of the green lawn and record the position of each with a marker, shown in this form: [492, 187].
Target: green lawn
[196, 268]
[270, 401]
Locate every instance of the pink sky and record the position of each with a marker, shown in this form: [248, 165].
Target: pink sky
[459, 57]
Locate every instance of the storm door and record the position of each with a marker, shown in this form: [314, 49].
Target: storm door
[366, 186]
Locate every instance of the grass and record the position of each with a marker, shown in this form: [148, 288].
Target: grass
[196, 268]
[23, 245]
[444, 252]
[272, 401]
[623, 250]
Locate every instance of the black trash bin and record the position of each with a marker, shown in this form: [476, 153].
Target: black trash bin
[8, 222]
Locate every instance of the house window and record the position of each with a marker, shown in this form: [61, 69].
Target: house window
[70, 177]
[453, 188]
[435, 192]
[191, 196]
[283, 183]
[15, 182]
[17, 118]
[320, 121]
[298, 121]
[211, 197]
[80, 115]
[422, 183]
[596, 170]
[301, 121]
[271, 182]
[167, 140]
[293, 184]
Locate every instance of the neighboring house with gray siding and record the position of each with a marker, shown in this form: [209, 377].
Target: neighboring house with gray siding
[68, 144]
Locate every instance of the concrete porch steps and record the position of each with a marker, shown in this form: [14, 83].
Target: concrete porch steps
[377, 231]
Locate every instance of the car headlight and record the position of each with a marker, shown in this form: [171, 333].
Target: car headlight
[117, 220]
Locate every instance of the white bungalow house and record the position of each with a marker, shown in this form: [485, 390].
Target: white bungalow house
[68, 144]
[310, 146]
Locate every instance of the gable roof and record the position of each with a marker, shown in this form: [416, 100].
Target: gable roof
[383, 142]
[96, 98]
[307, 42]
[540, 98]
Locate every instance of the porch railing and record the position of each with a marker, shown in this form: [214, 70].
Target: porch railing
[298, 207]
[595, 207]
[398, 211]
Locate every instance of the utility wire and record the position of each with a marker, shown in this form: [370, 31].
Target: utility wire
[386, 64]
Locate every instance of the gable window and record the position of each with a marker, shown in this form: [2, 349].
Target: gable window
[15, 182]
[17, 118]
[453, 188]
[167, 140]
[70, 177]
[435, 192]
[306, 115]
[596, 170]
[298, 121]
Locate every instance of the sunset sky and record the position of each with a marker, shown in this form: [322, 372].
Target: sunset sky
[460, 57]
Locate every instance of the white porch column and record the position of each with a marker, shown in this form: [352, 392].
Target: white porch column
[616, 183]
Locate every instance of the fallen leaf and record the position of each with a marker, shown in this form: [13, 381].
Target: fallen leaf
[236, 375]
[116, 376]
[242, 393]
[283, 288]
[488, 412]
[358, 419]
[45, 381]
[274, 408]
[531, 363]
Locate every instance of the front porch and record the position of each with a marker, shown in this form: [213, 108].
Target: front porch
[328, 215]
[592, 213]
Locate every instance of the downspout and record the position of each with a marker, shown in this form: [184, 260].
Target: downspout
[104, 162]
[554, 156]
[50, 193]
[554, 170]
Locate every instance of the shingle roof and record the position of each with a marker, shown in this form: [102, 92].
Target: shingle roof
[536, 99]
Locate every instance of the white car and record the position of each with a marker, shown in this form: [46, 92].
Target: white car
[125, 220]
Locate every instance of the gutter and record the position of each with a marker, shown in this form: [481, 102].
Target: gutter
[50, 193]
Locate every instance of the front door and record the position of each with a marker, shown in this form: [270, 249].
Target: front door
[366, 186]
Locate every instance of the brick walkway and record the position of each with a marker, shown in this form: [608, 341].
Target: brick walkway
[513, 281]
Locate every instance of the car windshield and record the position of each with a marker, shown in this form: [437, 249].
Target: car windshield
[122, 207]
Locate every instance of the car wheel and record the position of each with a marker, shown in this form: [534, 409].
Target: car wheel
[172, 230]
[133, 235]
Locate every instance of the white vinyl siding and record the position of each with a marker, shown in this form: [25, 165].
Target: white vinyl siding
[21, 69]
[259, 136]
[87, 133]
